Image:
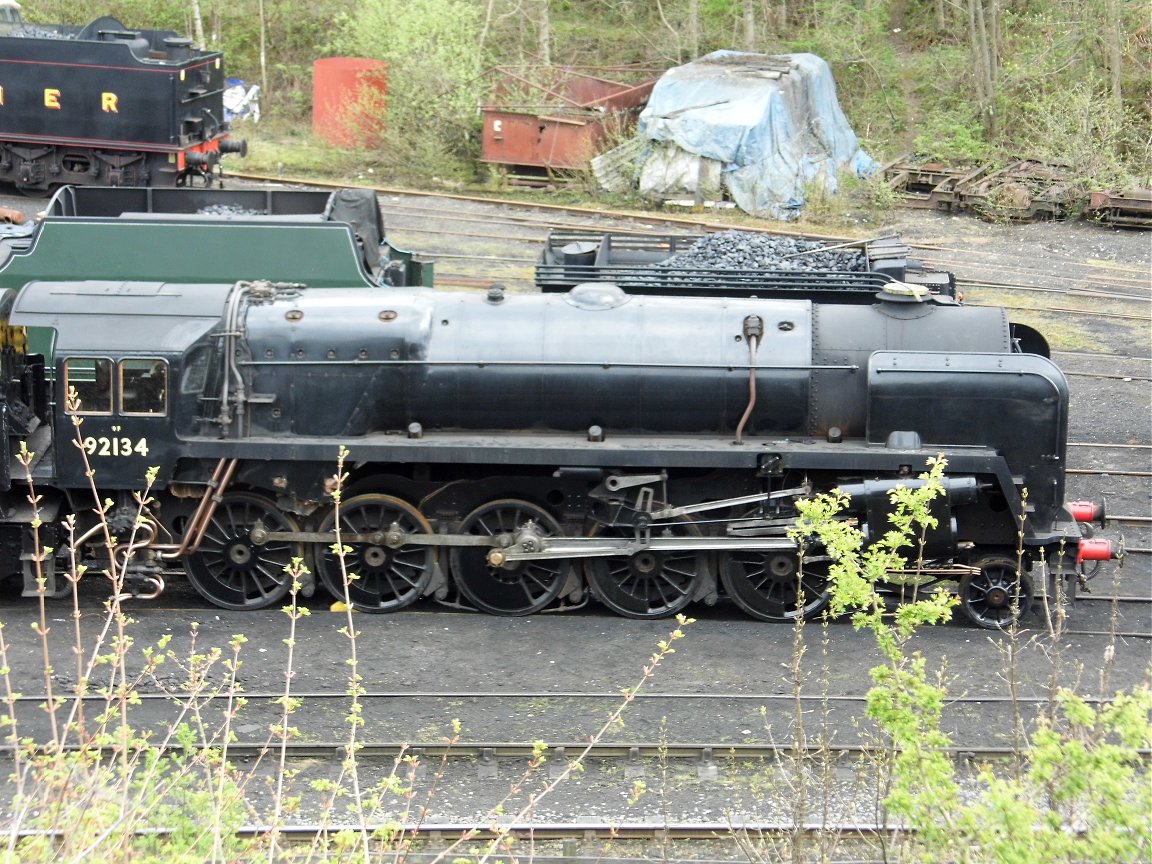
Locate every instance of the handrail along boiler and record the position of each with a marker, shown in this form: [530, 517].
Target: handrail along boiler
[520, 452]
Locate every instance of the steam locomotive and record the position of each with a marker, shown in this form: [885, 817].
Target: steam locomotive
[513, 453]
[103, 104]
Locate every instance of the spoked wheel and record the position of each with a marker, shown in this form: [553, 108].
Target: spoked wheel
[772, 587]
[649, 584]
[521, 587]
[387, 579]
[233, 572]
[996, 597]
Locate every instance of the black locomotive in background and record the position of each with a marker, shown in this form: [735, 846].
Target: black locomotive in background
[513, 452]
[106, 105]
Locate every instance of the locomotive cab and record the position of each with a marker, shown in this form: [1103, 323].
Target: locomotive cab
[119, 351]
[119, 401]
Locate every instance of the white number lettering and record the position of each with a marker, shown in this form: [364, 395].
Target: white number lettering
[115, 446]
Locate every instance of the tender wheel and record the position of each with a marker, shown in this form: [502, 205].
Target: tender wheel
[388, 579]
[233, 572]
[521, 588]
[768, 585]
[649, 584]
[996, 597]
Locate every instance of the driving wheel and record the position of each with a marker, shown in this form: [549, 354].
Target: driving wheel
[995, 597]
[231, 570]
[519, 587]
[772, 586]
[649, 584]
[379, 577]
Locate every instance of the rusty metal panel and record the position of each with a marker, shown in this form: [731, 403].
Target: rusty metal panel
[557, 117]
[567, 142]
[510, 138]
[1131, 208]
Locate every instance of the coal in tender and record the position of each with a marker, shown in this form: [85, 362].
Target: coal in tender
[743, 250]
[31, 31]
[229, 210]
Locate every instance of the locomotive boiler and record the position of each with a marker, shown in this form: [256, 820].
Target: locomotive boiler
[104, 104]
[514, 453]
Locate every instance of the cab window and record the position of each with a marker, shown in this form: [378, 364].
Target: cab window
[89, 380]
[143, 386]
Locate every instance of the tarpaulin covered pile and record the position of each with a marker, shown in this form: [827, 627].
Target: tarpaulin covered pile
[762, 128]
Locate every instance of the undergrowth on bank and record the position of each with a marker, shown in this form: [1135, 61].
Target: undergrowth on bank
[88, 780]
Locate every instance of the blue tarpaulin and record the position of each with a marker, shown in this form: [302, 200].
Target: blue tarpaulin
[763, 127]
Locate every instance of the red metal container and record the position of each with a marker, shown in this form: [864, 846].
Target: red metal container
[556, 117]
[348, 100]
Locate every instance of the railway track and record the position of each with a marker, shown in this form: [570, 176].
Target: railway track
[737, 722]
[583, 842]
[608, 697]
[642, 758]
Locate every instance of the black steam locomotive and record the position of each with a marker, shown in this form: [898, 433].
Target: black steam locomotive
[102, 104]
[514, 453]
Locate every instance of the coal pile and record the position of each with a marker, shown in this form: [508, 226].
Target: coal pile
[31, 31]
[229, 210]
[743, 250]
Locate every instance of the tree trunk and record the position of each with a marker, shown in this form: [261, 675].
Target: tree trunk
[197, 24]
[993, 15]
[693, 29]
[749, 25]
[1114, 50]
[489, 11]
[544, 32]
[984, 50]
[780, 18]
[263, 51]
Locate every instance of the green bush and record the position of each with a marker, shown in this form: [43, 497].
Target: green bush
[1083, 792]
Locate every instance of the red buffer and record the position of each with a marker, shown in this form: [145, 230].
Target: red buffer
[1098, 549]
[1087, 511]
